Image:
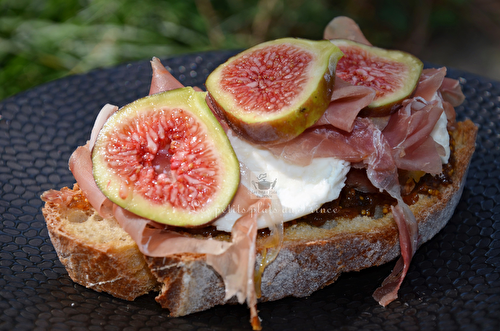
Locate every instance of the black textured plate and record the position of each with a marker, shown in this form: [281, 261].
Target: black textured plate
[453, 282]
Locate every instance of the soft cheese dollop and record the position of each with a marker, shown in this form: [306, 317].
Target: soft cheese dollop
[300, 189]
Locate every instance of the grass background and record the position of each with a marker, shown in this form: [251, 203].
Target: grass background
[43, 40]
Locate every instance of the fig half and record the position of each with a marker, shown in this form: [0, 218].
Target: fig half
[272, 92]
[392, 74]
[165, 157]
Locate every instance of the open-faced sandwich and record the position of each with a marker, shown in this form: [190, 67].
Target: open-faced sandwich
[304, 160]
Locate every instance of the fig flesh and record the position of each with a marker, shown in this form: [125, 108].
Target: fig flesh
[165, 157]
[272, 92]
[392, 74]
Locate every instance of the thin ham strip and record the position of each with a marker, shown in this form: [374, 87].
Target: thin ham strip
[409, 135]
[327, 141]
[238, 262]
[102, 117]
[434, 80]
[408, 234]
[162, 79]
[429, 82]
[342, 27]
[382, 172]
[404, 143]
[451, 115]
[453, 96]
[427, 154]
[452, 92]
[80, 164]
[346, 103]
[154, 240]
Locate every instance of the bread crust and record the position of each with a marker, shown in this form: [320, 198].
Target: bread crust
[309, 259]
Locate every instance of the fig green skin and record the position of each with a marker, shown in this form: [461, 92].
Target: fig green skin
[109, 182]
[390, 103]
[288, 123]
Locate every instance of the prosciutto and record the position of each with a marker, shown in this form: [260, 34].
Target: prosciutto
[409, 135]
[342, 27]
[382, 172]
[328, 141]
[452, 97]
[80, 164]
[346, 102]
[433, 81]
[102, 117]
[403, 141]
[162, 79]
[408, 242]
[452, 92]
[429, 83]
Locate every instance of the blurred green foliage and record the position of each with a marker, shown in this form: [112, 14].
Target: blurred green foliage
[44, 40]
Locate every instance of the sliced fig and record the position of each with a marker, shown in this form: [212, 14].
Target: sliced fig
[392, 74]
[165, 157]
[272, 92]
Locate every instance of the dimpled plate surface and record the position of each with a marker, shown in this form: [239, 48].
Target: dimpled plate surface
[453, 282]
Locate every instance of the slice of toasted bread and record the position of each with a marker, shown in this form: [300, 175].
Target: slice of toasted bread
[311, 257]
[96, 252]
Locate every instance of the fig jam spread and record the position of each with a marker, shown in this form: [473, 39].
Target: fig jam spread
[68, 198]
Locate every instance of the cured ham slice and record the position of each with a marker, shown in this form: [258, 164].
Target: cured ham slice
[432, 82]
[346, 103]
[102, 117]
[327, 141]
[452, 92]
[409, 135]
[382, 172]
[342, 27]
[429, 83]
[408, 234]
[162, 79]
[453, 96]
[80, 164]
